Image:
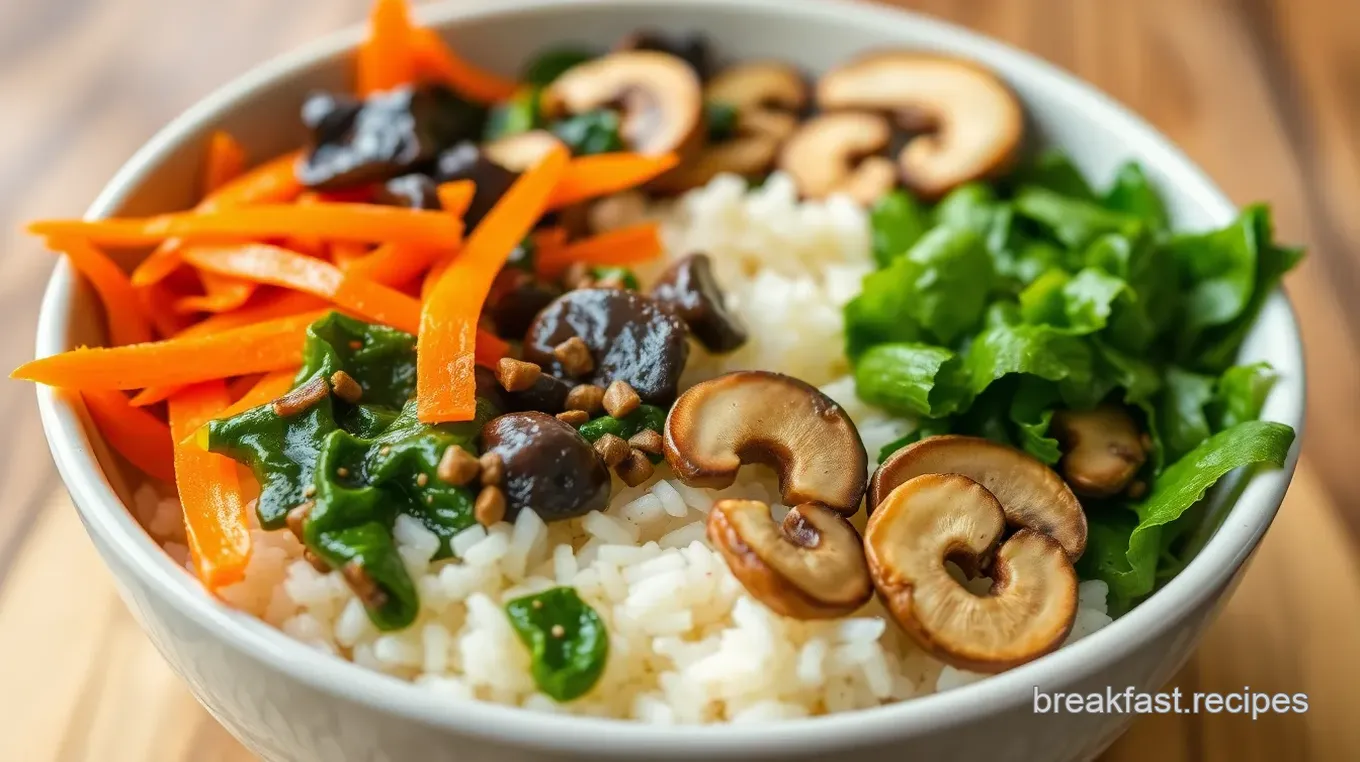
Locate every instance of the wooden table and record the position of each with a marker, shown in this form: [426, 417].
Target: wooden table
[1264, 94]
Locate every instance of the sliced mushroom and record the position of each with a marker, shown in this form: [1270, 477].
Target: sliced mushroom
[976, 121]
[936, 518]
[1102, 449]
[1031, 494]
[746, 156]
[754, 416]
[661, 98]
[521, 151]
[766, 95]
[689, 289]
[629, 336]
[546, 466]
[824, 156]
[810, 567]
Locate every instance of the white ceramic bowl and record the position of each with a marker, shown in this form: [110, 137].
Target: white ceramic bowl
[291, 704]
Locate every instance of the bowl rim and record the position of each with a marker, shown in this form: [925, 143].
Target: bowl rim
[106, 517]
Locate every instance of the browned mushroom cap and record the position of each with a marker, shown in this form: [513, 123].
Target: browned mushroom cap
[935, 518]
[746, 156]
[763, 94]
[810, 567]
[1102, 449]
[824, 156]
[629, 336]
[1031, 494]
[977, 121]
[661, 97]
[689, 289]
[754, 416]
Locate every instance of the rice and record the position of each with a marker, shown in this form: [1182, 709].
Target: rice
[687, 644]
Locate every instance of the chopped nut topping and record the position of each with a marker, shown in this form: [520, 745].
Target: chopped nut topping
[457, 466]
[558, 631]
[385, 450]
[363, 585]
[490, 506]
[517, 375]
[309, 490]
[620, 399]
[574, 356]
[536, 603]
[316, 561]
[342, 472]
[493, 469]
[301, 399]
[612, 449]
[648, 441]
[573, 417]
[635, 469]
[422, 479]
[298, 515]
[345, 387]
[587, 397]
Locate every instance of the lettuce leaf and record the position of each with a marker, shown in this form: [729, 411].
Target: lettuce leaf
[1218, 273]
[1240, 394]
[896, 223]
[1123, 544]
[1181, 418]
[1072, 221]
[910, 379]
[1132, 194]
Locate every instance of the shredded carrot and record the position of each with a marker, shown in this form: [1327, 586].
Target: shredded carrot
[255, 348]
[263, 263]
[127, 323]
[273, 182]
[237, 387]
[448, 322]
[140, 437]
[215, 520]
[549, 238]
[455, 197]
[601, 174]
[269, 387]
[220, 294]
[392, 264]
[436, 60]
[311, 245]
[344, 222]
[385, 58]
[273, 305]
[226, 161]
[625, 246]
[345, 253]
[157, 301]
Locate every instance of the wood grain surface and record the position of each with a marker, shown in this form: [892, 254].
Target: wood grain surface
[1263, 94]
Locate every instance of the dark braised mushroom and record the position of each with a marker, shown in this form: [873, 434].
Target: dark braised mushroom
[689, 290]
[515, 298]
[466, 161]
[548, 466]
[390, 134]
[692, 48]
[631, 338]
[413, 191]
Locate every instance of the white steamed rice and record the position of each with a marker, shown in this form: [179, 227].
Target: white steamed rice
[686, 643]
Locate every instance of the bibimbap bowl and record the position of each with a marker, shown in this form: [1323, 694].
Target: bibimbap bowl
[288, 701]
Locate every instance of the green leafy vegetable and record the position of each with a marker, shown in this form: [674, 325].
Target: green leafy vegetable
[1182, 421]
[518, 114]
[1240, 394]
[645, 417]
[553, 63]
[591, 132]
[1052, 170]
[910, 379]
[1073, 222]
[1132, 194]
[1218, 272]
[1122, 548]
[567, 641]
[622, 274]
[1031, 412]
[896, 222]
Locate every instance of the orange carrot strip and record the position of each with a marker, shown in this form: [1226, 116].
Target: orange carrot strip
[269, 387]
[589, 177]
[345, 253]
[312, 246]
[140, 437]
[275, 305]
[215, 519]
[345, 222]
[625, 246]
[455, 197]
[392, 264]
[263, 263]
[273, 182]
[385, 58]
[221, 294]
[127, 322]
[448, 322]
[258, 348]
[157, 301]
[226, 161]
[436, 60]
